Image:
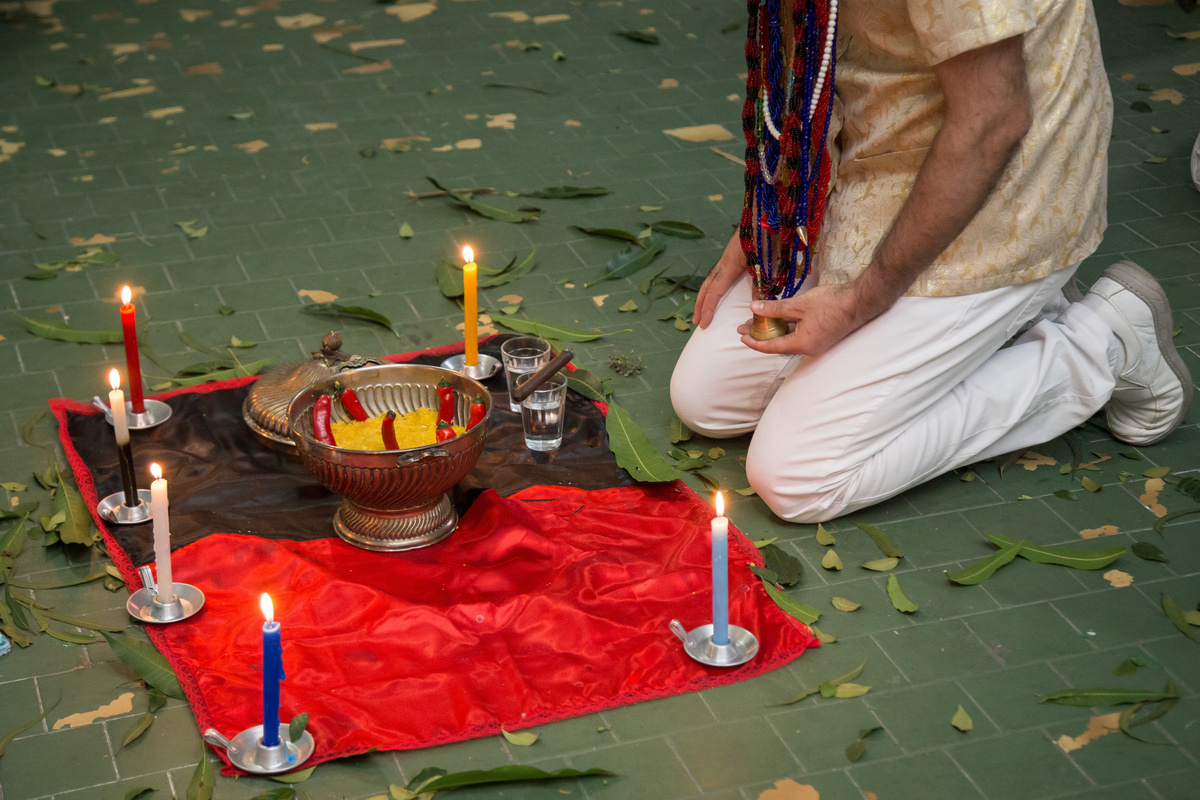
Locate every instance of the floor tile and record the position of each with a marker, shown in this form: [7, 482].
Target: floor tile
[732, 755]
[1019, 766]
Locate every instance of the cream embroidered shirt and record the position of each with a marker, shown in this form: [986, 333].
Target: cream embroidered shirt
[1048, 210]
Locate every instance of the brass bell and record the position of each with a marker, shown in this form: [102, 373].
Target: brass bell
[764, 328]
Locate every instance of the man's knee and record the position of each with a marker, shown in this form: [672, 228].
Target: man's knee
[794, 495]
[692, 397]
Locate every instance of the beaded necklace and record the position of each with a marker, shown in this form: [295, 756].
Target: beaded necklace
[785, 120]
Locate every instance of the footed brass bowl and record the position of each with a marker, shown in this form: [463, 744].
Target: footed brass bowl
[392, 499]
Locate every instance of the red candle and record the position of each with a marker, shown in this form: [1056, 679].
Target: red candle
[132, 365]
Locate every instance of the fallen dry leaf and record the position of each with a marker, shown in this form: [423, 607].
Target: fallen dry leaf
[504, 121]
[318, 295]
[1149, 498]
[321, 126]
[1117, 578]
[599, 300]
[510, 299]
[57, 152]
[1032, 461]
[59, 46]
[716, 198]
[700, 133]
[729, 156]
[8, 149]
[106, 15]
[85, 178]
[122, 705]
[10, 129]
[169, 111]
[374, 43]
[134, 92]
[193, 14]
[446, 148]
[668, 83]
[272, 48]
[209, 68]
[106, 120]
[411, 11]
[228, 23]
[170, 170]
[468, 144]
[99, 238]
[123, 49]
[788, 789]
[572, 123]
[1186, 69]
[514, 16]
[1172, 96]
[323, 35]
[542, 20]
[305, 20]
[367, 69]
[388, 144]
[1103, 530]
[1096, 727]
[734, 97]
[252, 147]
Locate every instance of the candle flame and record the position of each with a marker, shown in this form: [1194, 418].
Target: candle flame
[468, 254]
[268, 608]
[114, 379]
[155, 469]
[126, 295]
[720, 505]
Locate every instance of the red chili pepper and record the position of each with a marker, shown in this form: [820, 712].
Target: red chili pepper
[322, 417]
[444, 432]
[445, 394]
[478, 409]
[350, 401]
[389, 432]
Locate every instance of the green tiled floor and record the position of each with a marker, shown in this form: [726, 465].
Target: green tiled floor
[320, 210]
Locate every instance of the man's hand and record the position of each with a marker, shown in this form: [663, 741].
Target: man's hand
[730, 266]
[824, 315]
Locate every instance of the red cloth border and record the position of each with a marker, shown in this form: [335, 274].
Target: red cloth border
[61, 407]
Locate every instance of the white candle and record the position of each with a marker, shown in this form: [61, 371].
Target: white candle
[116, 401]
[720, 574]
[162, 535]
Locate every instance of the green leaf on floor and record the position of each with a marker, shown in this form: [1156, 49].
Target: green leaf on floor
[643, 36]
[1104, 697]
[609, 233]
[1141, 106]
[13, 486]
[630, 261]
[1090, 485]
[225, 311]
[962, 720]
[548, 330]
[881, 539]
[848, 690]
[534, 89]
[484, 210]
[786, 566]
[280, 793]
[191, 230]
[204, 779]
[354, 312]
[138, 791]
[832, 561]
[1155, 160]
[145, 662]
[746, 491]
[71, 637]
[1063, 556]
[297, 726]
[512, 772]
[967, 476]
[1149, 552]
[406, 231]
[8, 737]
[76, 527]
[632, 448]
[299, 776]
[680, 432]
[793, 608]
[1177, 617]
[141, 726]
[824, 638]
[522, 739]
[829, 688]
[236, 342]
[825, 537]
[1132, 717]
[899, 600]
[882, 564]
[242, 116]
[566, 192]
[629, 305]
[588, 384]
[680, 230]
[62, 332]
[1065, 494]
[844, 604]
[1128, 667]
[856, 751]
[62, 584]
[1163, 520]
[980, 571]
[1157, 472]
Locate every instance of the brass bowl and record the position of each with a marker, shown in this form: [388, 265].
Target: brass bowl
[392, 499]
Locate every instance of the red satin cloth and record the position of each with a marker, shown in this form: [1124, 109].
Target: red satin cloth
[548, 604]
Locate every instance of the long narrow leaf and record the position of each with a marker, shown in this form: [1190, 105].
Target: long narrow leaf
[355, 312]
[77, 520]
[881, 539]
[62, 332]
[1176, 615]
[8, 737]
[22, 584]
[204, 780]
[980, 571]
[513, 772]
[146, 662]
[1102, 697]
[793, 608]
[680, 230]
[633, 450]
[1064, 556]
[630, 261]
[548, 330]
[567, 192]
[484, 210]
[611, 233]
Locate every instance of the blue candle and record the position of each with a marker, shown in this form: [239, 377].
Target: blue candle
[720, 574]
[272, 673]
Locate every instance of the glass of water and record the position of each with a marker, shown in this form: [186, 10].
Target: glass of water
[542, 413]
[521, 356]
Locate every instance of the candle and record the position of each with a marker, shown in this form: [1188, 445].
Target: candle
[272, 672]
[471, 308]
[720, 574]
[116, 402]
[162, 536]
[132, 365]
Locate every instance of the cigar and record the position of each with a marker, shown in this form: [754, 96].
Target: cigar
[535, 380]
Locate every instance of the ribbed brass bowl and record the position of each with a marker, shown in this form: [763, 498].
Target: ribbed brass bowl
[392, 499]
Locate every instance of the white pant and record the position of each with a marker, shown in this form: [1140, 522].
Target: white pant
[921, 390]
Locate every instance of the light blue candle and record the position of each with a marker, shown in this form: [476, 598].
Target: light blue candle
[272, 673]
[720, 574]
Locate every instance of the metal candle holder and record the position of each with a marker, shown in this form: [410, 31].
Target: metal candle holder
[698, 644]
[114, 508]
[246, 750]
[143, 604]
[485, 369]
[157, 412]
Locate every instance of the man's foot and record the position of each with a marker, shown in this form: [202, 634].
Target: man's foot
[1154, 387]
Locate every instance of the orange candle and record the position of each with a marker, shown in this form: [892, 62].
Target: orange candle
[132, 366]
[471, 308]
